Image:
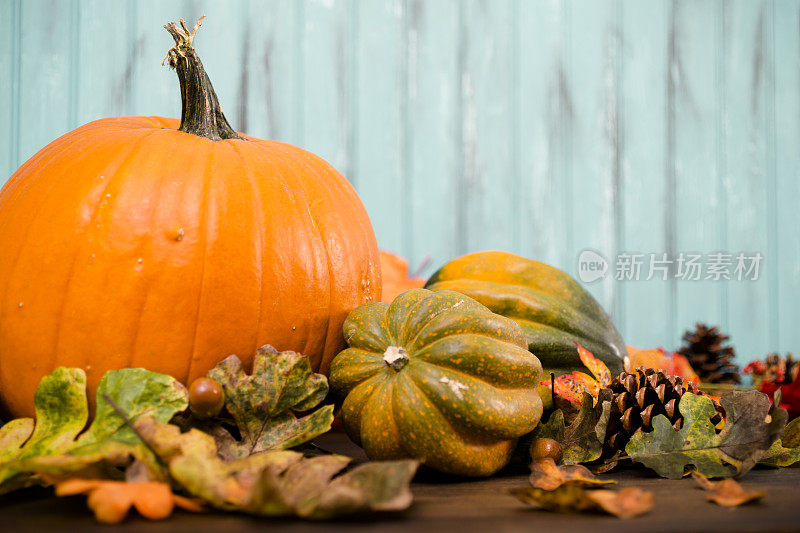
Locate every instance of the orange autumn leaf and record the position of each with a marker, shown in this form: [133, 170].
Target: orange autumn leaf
[111, 500]
[728, 492]
[627, 503]
[545, 474]
[394, 273]
[597, 367]
[673, 364]
[572, 386]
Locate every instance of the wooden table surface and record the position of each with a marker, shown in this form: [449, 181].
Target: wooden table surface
[450, 504]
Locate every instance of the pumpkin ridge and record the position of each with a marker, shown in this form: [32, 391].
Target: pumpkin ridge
[126, 160]
[526, 296]
[431, 318]
[204, 226]
[461, 373]
[421, 357]
[66, 141]
[463, 427]
[147, 282]
[466, 437]
[278, 148]
[259, 211]
[409, 313]
[331, 181]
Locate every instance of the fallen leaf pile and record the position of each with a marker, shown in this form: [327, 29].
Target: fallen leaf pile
[132, 456]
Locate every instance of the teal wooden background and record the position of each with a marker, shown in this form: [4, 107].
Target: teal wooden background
[540, 127]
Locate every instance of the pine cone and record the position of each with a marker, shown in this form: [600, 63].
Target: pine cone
[641, 395]
[708, 357]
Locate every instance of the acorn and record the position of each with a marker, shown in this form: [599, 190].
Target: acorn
[543, 448]
[206, 397]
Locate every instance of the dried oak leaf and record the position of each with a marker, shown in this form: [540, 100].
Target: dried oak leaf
[263, 404]
[546, 475]
[727, 492]
[278, 482]
[56, 443]
[111, 500]
[626, 503]
[581, 441]
[750, 429]
[786, 450]
[752, 425]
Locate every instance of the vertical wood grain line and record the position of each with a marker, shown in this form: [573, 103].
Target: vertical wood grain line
[460, 195]
[773, 251]
[132, 29]
[406, 138]
[16, 66]
[617, 295]
[670, 154]
[299, 71]
[516, 133]
[351, 87]
[74, 63]
[568, 202]
[722, 140]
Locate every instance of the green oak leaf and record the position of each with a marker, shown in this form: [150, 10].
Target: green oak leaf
[581, 441]
[747, 434]
[278, 482]
[264, 404]
[58, 445]
[786, 450]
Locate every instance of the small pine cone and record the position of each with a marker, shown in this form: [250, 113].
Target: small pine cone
[705, 352]
[640, 396]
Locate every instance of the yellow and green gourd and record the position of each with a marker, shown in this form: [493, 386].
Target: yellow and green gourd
[438, 377]
[553, 310]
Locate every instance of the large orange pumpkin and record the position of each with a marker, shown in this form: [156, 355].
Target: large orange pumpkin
[139, 241]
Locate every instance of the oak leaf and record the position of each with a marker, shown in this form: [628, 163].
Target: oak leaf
[56, 443]
[786, 450]
[750, 429]
[111, 500]
[581, 441]
[278, 482]
[626, 503]
[728, 492]
[546, 475]
[264, 403]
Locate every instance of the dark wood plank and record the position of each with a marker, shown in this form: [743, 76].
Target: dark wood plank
[451, 504]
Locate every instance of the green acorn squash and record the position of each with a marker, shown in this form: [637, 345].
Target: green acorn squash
[553, 310]
[438, 377]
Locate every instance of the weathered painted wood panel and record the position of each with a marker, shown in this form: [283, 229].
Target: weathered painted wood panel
[644, 307]
[541, 127]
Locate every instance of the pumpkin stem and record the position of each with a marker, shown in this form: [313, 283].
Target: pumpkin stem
[201, 113]
[395, 357]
